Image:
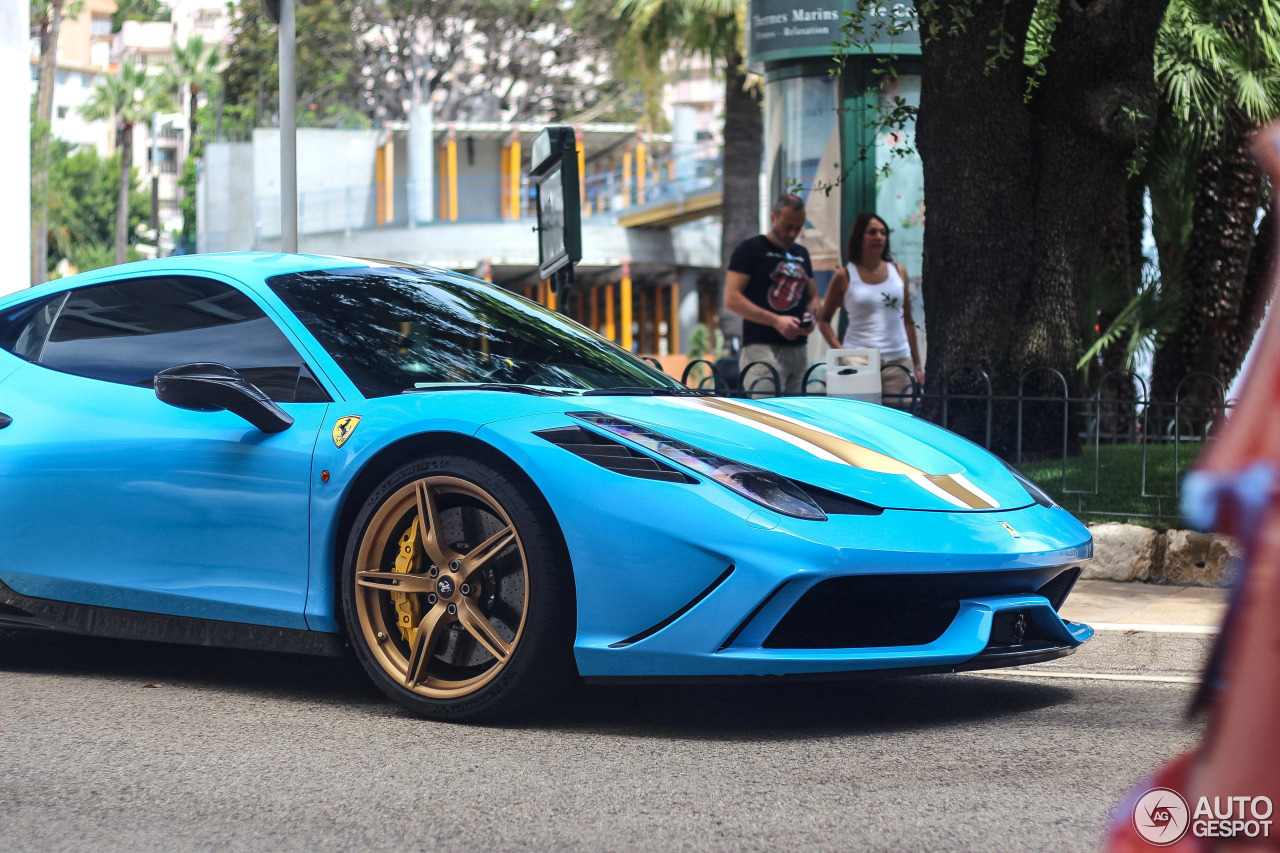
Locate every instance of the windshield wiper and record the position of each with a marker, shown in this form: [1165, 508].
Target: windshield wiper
[639, 391]
[488, 386]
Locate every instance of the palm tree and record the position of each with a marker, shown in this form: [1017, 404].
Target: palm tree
[648, 30]
[129, 97]
[1218, 68]
[195, 66]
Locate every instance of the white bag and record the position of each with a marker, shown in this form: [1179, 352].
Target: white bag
[854, 373]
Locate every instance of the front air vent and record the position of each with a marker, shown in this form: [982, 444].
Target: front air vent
[613, 455]
[833, 503]
[1060, 587]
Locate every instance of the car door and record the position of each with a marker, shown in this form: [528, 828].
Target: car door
[113, 498]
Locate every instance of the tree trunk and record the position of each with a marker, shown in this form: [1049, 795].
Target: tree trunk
[1254, 298]
[1228, 191]
[40, 164]
[1120, 271]
[191, 122]
[1118, 281]
[1018, 193]
[743, 142]
[48, 61]
[122, 203]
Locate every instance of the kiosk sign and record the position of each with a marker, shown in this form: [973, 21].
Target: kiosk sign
[809, 29]
[554, 168]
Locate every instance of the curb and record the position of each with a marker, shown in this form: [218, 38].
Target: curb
[1128, 552]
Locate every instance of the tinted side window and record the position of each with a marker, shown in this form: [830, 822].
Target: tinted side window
[128, 331]
[23, 329]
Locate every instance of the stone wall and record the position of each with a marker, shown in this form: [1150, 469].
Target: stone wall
[1127, 552]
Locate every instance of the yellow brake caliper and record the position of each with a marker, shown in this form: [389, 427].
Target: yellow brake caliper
[407, 605]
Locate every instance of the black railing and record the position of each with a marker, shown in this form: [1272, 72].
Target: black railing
[1113, 453]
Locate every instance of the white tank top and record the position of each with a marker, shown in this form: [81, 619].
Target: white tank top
[875, 315]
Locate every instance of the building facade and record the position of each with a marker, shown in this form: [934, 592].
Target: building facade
[459, 196]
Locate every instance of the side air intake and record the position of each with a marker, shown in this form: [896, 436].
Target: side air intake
[607, 453]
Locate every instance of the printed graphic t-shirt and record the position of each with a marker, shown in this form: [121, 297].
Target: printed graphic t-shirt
[778, 281]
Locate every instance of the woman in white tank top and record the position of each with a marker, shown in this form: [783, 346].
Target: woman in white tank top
[873, 291]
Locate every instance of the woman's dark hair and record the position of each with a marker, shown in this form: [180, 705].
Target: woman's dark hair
[860, 228]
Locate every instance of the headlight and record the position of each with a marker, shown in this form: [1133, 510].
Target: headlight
[755, 484]
[1038, 494]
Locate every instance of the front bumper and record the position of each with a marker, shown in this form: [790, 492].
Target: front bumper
[972, 639]
[678, 580]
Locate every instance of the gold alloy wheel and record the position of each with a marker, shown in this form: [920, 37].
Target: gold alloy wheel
[442, 616]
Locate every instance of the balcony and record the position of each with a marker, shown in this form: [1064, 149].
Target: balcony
[664, 192]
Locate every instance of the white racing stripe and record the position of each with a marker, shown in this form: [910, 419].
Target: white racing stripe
[808, 447]
[774, 413]
[953, 489]
[964, 481]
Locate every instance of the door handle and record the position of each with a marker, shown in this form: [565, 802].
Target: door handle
[5, 420]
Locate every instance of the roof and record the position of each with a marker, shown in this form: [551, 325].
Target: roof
[247, 267]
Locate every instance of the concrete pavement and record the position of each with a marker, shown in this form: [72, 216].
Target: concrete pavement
[1146, 607]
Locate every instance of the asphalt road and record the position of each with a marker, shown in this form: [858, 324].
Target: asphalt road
[110, 746]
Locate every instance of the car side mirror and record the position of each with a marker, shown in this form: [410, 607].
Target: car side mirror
[216, 388]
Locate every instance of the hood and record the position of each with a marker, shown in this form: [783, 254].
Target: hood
[869, 452]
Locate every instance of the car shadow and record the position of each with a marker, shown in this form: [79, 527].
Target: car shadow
[336, 680]
[757, 710]
[773, 710]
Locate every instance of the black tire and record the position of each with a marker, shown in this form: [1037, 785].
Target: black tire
[501, 646]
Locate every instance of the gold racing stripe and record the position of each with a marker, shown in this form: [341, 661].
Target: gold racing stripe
[843, 449]
[851, 453]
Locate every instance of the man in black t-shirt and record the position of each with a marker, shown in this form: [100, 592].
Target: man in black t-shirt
[770, 285]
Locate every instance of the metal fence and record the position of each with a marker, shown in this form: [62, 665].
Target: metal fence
[1115, 453]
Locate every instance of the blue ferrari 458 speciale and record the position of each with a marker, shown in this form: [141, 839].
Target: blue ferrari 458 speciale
[480, 497]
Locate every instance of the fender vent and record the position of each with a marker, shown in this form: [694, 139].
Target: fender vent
[610, 454]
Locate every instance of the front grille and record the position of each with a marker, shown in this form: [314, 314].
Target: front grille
[900, 610]
[610, 454]
[859, 613]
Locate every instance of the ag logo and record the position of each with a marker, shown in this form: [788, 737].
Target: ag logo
[343, 428]
[1161, 817]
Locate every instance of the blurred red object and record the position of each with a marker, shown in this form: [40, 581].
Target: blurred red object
[1236, 490]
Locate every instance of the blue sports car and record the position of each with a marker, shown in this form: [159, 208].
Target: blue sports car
[481, 498]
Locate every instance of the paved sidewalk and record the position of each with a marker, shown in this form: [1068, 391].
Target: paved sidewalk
[1155, 608]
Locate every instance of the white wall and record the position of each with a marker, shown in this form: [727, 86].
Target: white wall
[15, 146]
[224, 205]
[336, 172]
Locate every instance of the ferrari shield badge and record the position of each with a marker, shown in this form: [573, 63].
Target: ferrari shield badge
[1015, 534]
[343, 428]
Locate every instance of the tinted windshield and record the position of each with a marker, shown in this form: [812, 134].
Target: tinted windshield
[397, 330]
